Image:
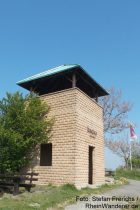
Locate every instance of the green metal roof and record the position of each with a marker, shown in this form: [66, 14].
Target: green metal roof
[49, 72]
[53, 80]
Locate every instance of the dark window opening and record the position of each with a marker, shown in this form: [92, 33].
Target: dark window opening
[46, 155]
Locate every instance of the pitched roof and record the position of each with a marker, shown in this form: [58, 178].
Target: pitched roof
[59, 78]
[49, 72]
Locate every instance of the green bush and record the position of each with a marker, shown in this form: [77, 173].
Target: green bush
[23, 126]
[136, 162]
[127, 173]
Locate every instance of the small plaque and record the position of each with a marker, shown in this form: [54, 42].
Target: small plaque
[92, 132]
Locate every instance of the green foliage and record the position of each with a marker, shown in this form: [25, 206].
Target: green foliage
[127, 173]
[50, 197]
[136, 161]
[69, 187]
[23, 126]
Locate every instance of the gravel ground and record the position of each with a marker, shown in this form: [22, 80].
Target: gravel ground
[130, 191]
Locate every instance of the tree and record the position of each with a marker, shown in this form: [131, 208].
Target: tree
[114, 111]
[23, 126]
[121, 147]
[136, 154]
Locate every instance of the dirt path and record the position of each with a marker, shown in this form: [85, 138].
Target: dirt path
[131, 191]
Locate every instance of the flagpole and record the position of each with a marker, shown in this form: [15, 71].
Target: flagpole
[131, 156]
[132, 136]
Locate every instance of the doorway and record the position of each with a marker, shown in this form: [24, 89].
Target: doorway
[90, 165]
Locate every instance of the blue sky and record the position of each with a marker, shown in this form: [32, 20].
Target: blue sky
[102, 36]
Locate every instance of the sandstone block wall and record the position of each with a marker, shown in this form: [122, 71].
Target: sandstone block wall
[74, 111]
[89, 115]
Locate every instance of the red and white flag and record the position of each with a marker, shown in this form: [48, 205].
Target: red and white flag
[132, 133]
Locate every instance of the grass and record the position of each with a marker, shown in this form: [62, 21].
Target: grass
[127, 173]
[48, 197]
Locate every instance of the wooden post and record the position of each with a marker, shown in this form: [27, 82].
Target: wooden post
[74, 80]
[16, 186]
[96, 97]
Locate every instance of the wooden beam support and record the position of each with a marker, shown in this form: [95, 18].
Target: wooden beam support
[96, 97]
[74, 80]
